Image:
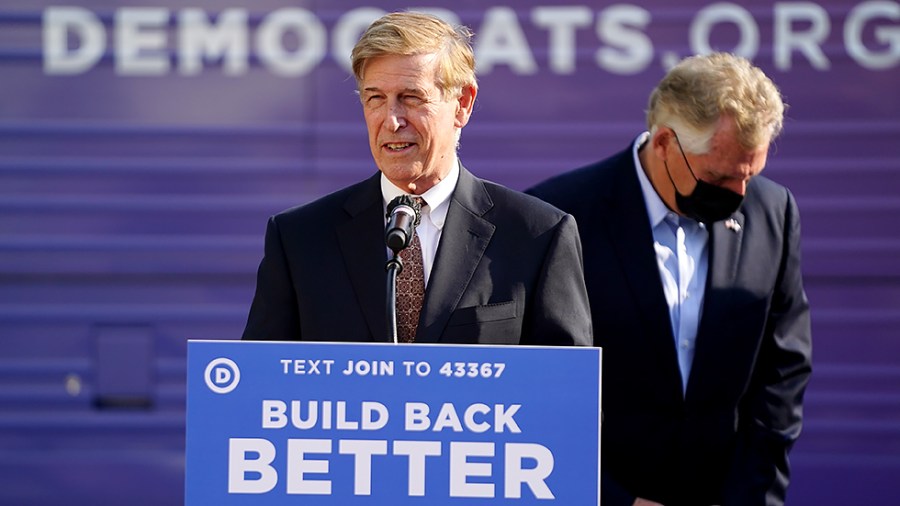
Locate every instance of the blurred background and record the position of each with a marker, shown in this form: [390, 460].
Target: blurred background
[144, 144]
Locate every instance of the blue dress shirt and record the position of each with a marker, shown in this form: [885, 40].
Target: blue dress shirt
[681, 246]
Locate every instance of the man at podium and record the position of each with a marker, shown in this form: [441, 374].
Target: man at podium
[487, 265]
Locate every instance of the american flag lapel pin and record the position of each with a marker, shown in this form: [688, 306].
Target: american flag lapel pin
[733, 225]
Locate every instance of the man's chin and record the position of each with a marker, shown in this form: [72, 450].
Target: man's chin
[401, 180]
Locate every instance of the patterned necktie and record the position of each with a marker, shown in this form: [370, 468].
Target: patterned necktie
[410, 290]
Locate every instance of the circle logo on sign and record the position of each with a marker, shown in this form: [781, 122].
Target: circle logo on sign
[222, 375]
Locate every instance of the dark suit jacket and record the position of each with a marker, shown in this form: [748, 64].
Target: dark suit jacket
[508, 270]
[725, 440]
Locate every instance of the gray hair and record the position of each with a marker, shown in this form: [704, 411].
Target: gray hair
[413, 33]
[700, 90]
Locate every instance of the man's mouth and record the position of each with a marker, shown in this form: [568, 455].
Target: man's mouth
[397, 146]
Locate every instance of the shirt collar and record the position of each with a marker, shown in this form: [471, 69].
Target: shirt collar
[656, 208]
[437, 197]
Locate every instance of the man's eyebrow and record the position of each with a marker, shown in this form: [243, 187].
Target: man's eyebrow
[414, 91]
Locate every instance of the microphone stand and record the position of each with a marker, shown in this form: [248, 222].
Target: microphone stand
[394, 267]
[403, 217]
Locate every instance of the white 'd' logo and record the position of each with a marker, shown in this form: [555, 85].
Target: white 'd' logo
[222, 375]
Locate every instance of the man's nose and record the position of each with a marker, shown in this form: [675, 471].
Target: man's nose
[396, 117]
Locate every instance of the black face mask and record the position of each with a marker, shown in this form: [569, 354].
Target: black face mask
[707, 203]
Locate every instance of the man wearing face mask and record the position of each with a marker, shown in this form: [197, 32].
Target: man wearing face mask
[692, 264]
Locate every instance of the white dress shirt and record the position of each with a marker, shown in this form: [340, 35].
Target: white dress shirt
[681, 246]
[434, 213]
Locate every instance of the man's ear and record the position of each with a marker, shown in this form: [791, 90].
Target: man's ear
[661, 140]
[465, 104]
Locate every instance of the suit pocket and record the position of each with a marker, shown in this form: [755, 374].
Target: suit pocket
[483, 314]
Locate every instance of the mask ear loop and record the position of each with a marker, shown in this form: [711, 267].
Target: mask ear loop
[685, 158]
[669, 173]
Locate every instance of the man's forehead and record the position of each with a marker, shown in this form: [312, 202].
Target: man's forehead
[414, 72]
[728, 158]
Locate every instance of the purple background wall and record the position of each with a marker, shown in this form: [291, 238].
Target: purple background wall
[132, 207]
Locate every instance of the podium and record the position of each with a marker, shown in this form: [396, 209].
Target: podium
[278, 423]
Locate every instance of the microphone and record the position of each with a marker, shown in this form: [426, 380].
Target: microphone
[404, 214]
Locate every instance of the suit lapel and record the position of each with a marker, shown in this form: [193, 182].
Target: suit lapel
[464, 239]
[725, 248]
[361, 240]
[725, 241]
[633, 242]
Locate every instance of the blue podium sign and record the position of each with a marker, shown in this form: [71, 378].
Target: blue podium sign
[277, 423]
